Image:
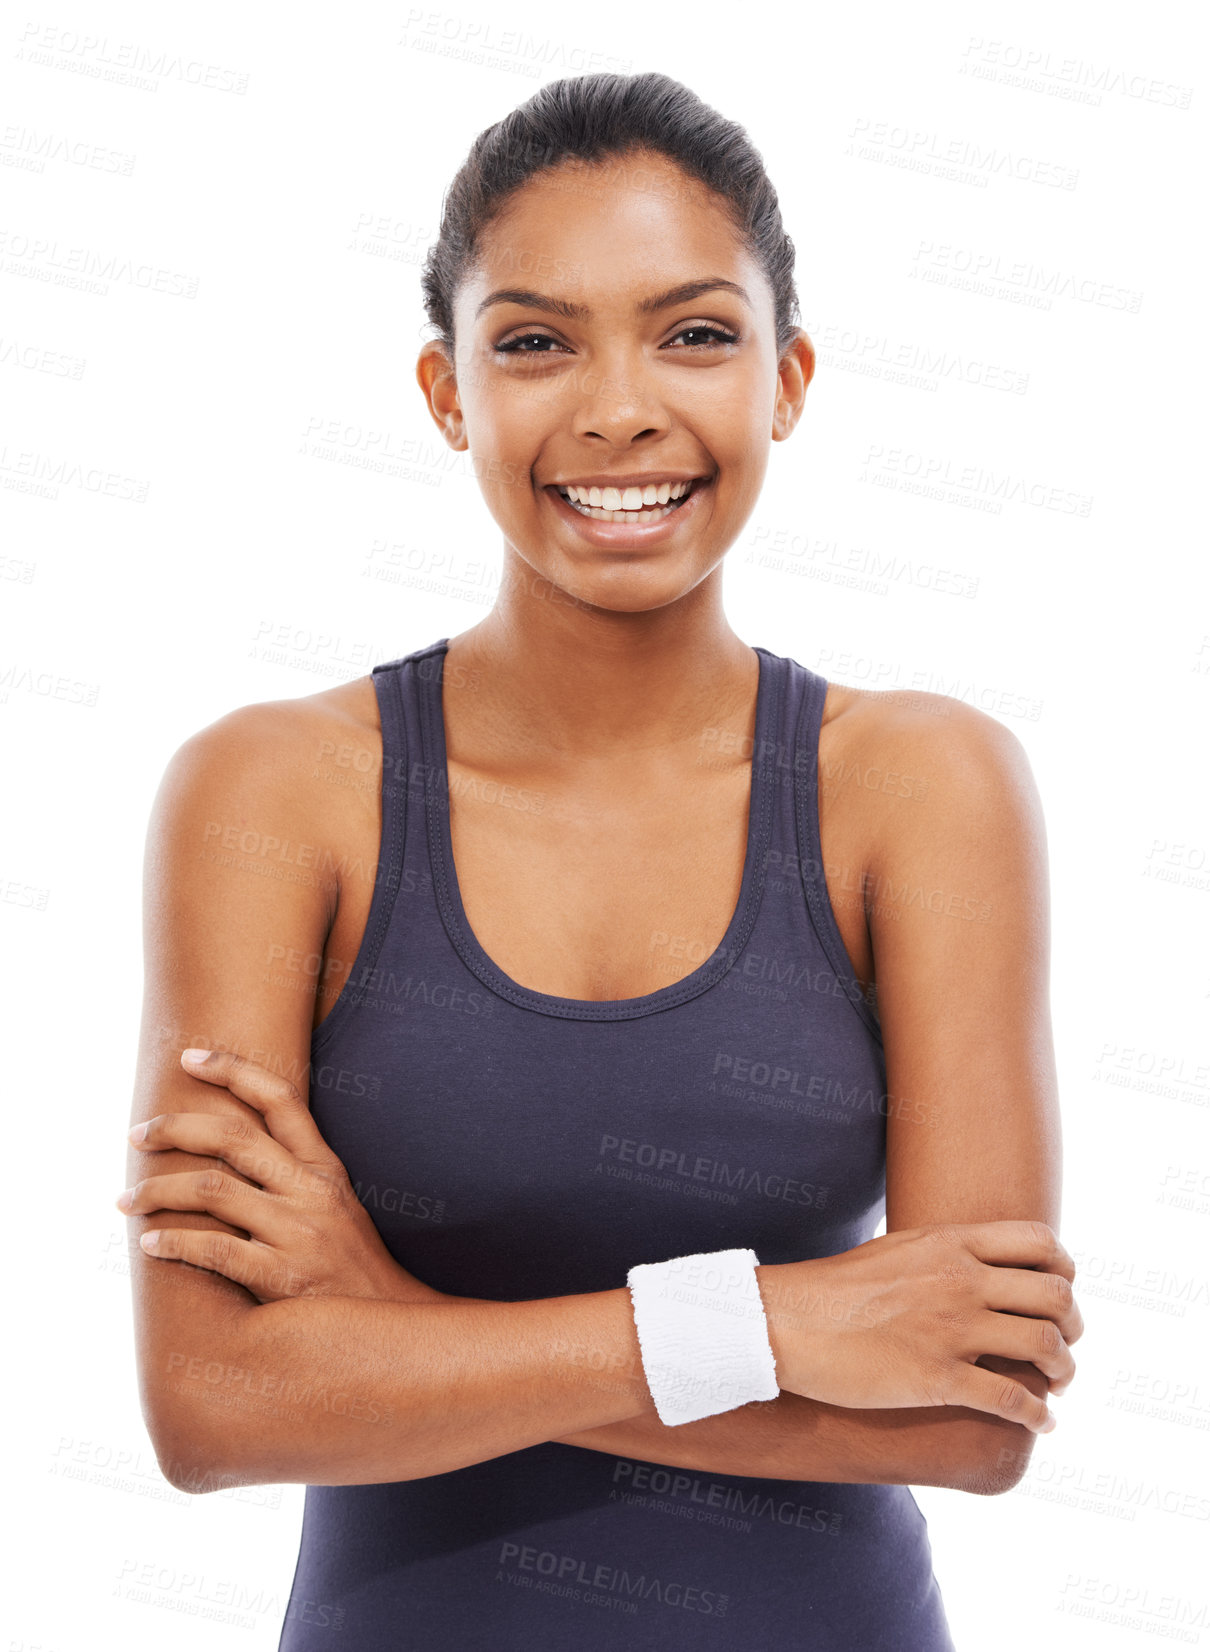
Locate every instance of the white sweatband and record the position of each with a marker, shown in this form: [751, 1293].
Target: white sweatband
[703, 1334]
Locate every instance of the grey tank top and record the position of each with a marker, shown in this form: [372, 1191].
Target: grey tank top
[510, 1144]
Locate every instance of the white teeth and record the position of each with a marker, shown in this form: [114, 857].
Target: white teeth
[627, 499]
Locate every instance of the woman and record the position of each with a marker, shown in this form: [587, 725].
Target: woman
[549, 950]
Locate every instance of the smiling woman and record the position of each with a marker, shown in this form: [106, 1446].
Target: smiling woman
[526, 1210]
[698, 372]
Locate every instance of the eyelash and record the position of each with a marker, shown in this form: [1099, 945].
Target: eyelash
[718, 336]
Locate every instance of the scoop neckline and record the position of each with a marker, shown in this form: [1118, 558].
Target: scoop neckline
[449, 894]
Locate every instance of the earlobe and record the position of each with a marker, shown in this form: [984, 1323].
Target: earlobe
[795, 372]
[785, 416]
[439, 386]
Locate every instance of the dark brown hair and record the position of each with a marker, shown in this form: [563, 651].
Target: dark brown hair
[590, 118]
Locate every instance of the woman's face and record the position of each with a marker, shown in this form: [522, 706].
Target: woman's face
[583, 361]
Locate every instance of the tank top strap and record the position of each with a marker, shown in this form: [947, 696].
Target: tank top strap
[395, 693]
[803, 702]
[399, 685]
[389, 690]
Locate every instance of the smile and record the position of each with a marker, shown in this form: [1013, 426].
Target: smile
[647, 504]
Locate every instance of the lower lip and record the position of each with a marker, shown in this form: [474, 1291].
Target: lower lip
[628, 535]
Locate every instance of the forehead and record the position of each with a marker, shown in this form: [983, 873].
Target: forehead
[621, 225]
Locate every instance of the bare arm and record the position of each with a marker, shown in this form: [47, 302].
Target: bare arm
[964, 1002]
[794, 1438]
[343, 1391]
[337, 1391]
[958, 917]
[323, 1390]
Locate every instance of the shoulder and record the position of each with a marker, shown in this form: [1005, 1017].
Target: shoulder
[932, 728]
[276, 779]
[274, 739]
[930, 770]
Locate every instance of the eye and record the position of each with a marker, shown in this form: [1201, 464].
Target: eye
[710, 337]
[512, 346]
[715, 335]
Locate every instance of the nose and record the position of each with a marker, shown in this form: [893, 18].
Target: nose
[617, 403]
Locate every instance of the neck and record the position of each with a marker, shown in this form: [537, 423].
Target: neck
[570, 680]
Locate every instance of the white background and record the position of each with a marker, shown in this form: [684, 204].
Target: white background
[175, 545]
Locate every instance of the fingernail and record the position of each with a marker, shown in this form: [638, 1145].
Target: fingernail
[195, 1056]
[150, 1239]
[137, 1132]
[125, 1200]
[1049, 1424]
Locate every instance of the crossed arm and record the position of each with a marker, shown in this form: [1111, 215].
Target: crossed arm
[972, 1135]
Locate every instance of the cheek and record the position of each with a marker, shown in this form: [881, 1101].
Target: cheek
[506, 439]
[742, 411]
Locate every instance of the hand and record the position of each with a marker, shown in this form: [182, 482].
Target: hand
[902, 1319]
[309, 1234]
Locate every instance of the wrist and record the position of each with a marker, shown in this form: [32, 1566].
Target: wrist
[395, 1284]
[767, 1283]
[787, 1300]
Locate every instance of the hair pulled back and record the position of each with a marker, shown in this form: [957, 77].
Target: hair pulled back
[592, 118]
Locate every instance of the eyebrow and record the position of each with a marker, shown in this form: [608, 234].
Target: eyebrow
[580, 312]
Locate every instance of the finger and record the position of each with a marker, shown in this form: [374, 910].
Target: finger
[1039, 1341]
[238, 1203]
[257, 1267]
[239, 1142]
[999, 1396]
[1017, 1244]
[279, 1102]
[1043, 1295]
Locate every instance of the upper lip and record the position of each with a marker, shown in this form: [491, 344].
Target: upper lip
[651, 478]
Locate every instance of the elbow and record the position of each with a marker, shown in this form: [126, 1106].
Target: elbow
[197, 1453]
[198, 1423]
[993, 1452]
[189, 1460]
[183, 1465]
[994, 1459]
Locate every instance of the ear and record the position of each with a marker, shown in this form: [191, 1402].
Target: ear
[436, 377]
[795, 371]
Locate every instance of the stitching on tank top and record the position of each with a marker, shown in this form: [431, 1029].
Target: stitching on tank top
[570, 1008]
[388, 871]
[810, 851]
